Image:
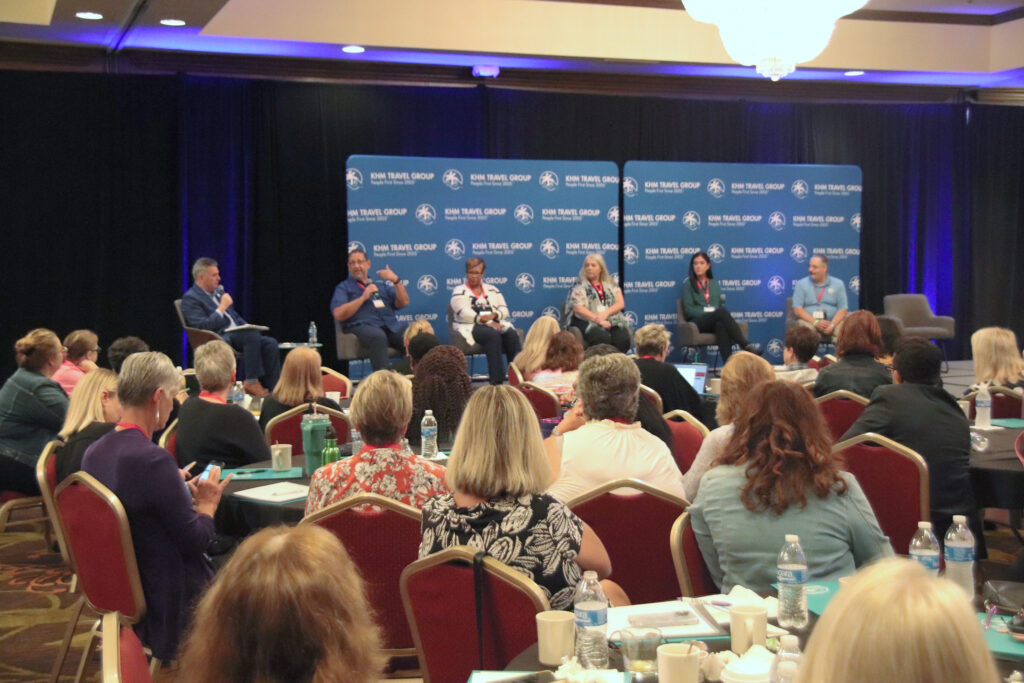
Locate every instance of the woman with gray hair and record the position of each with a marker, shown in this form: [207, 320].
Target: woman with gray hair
[600, 440]
[208, 427]
[652, 346]
[171, 522]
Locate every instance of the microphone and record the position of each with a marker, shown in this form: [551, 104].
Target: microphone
[219, 291]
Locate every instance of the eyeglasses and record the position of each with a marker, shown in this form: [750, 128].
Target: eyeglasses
[98, 349]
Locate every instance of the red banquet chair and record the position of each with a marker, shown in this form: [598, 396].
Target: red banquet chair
[440, 604]
[335, 381]
[46, 476]
[841, 409]
[653, 396]
[514, 375]
[634, 520]
[894, 479]
[691, 569]
[688, 435]
[545, 403]
[382, 536]
[169, 439]
[1006, 403]
[124, 659]
[287, 427]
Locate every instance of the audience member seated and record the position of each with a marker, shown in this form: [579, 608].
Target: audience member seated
[800, 345]
[81, 349]
[301, 381]
[419, 346]
[561, 365]
[381, 409]
[778, 476]
[298, 612]
[650, 419]
[891, 336]
[32, 409]
[858, 345]
[121, 348]
[997, 360]
[92, 412]
[919, 414]
[171, 522]
[211, 429]
[741, 373]
[442, 385]
[652, 346]
[498, 472]
[602, 441]
[894, 622]
[535, 346]
[416, 327]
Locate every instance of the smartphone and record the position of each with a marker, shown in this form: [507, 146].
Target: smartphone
[206, 473]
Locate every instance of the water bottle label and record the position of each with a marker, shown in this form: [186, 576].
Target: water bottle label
[929, 561]
[428, 432]
[591, 617]
[984, 403]
[959, 554]
[792, 577]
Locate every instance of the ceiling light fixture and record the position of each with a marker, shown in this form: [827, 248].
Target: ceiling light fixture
[853, 73]
[353, 49]
[486, 71]
[773, 36]
[172, 22]
[89, 16]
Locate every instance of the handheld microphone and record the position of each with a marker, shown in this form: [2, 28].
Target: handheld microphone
[219, 291]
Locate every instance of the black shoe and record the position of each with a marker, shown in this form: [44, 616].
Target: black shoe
[754, 348]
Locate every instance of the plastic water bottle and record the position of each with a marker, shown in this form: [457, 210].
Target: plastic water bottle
[792, 577]
[960, 555]
[355, 440]
[238, 394]
[428, 435]
[789, 652]
[786, 673]
[591, 609]
[312, 332]
[924, 548]
[983, 407]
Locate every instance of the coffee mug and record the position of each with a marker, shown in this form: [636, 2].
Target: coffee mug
[748, 625]
[334, 396]
[556, 632]
[281, 457]
[679, 663]
[716, 385]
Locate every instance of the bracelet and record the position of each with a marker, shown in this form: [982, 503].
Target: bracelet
[555, 432]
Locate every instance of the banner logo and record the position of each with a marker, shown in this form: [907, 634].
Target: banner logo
[631, 254]
[631, 319]
[548, 180]
[452, 179]
[613, 215]
[549, 247]
[777, 220]
[427, 284]
[776, 285]
[455, 249]
[525, 283]
[855, 283]
[798, 252]
[716, 188]
[691, 219]
[855, 222]
[716, 252]
[552, 312]
[630, 187]
[524, 214]
[799, 189]
[354, 244]
[353, 178]
[775, 347]
[425, 214]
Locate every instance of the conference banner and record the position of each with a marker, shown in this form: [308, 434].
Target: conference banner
[759, 223]
[533, 222]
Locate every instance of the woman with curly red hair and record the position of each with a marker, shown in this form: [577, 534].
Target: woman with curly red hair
[778, 476]
[561, 365]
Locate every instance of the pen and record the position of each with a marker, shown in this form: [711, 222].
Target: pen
[251, 471]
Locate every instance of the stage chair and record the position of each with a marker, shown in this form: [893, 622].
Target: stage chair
[653, 396]
[688, 435]
[440, 605]
[1006, 402]
[169, 439]
[46, 475]
[544, 401]
[286, 427]
[841, 409]
[691, 570]
[124, 659]
[335, 381]
[348, 348]
[689, 335]
[916, 318]
[197, 337]
[514, 375]
[634, 520]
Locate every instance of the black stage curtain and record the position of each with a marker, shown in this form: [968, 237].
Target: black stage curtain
[110, 186]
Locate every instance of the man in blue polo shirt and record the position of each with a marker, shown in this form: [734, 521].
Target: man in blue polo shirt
[366, 308]
[819, 300]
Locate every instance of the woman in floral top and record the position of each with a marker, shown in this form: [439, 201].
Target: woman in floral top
[597, 305]
[498, 472]
[381, 409]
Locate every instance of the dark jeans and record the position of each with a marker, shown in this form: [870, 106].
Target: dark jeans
[375, 342]
[726, 331]
[494, 342]
[261, 359]
[17, 476]
[595, 334]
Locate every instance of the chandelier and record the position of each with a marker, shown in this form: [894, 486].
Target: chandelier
[773, 35]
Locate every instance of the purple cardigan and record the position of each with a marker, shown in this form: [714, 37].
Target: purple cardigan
[170, 537]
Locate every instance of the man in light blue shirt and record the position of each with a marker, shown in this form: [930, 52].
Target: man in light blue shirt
[819, 300]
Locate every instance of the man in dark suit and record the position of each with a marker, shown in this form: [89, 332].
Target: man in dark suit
[207, 306]
[918, 413]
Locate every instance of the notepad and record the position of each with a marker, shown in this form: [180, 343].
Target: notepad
[246, 473]
[1008, 422]
[281, 492]
[1001, 644]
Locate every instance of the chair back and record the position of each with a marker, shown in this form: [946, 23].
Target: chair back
[46, 476]
[360, 522]
[687, 437]
[912, 310]
[196, 337]
[440, 604]
[841, 409]
[1006, 403]
[634, 529]
[514, 375]
[287, 427]
[653, 396]
[124, 659]
[1018, 447]
[691, 569]
[100, 544]
[335, 381]
[169, 439]
[894, 479]
[545, 403]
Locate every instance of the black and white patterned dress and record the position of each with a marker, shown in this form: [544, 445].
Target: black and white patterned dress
[533, 534]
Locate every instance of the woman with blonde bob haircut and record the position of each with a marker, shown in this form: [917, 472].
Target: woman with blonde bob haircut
[535, 347]
[301, 381]
[92, 412]
[498, 472]
[894, 622]
[997, 360]
[298, 612]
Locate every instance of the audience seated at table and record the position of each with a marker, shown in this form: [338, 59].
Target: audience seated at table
[301, 381]
[652, 345]
[209, 428]
[171, 522]
[81, 349]
[777, 476]
[32, 409]
[602, 439]
[919, 414]
[498, 473]
[646, 413]
[858, 345]
[997, 360]
[442, 385]
[799, 348]
[415, 328]
[121, 348]
[92, 412]
[380, 411]
[740, 374]
[288, 606]
[535, 346]
[892, 334]
[894, 622]
[419, 346]
[561, 365]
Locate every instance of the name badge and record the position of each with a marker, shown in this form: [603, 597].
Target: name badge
[378, 303]
[601, 308]
[709, 309]
[818, 315]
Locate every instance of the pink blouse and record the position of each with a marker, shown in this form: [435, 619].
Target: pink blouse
[67, 376]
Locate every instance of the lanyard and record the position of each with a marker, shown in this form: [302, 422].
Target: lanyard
[599, 288]
[822, 291]
[131, 425]
[367, 448]
[649, 357]
[212, 397]
[706, 291]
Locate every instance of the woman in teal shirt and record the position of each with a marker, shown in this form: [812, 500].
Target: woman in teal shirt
[701, 298]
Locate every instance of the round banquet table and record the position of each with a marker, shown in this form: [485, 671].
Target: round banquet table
[997, 475]
[240, 517]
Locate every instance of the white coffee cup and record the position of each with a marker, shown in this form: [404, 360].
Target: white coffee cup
[679, 663]
[748, 625]
[281, 457]
[334, 396]
[556, 633]
[716, 385]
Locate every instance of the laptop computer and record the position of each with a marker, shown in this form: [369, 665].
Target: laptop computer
[694, 373]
